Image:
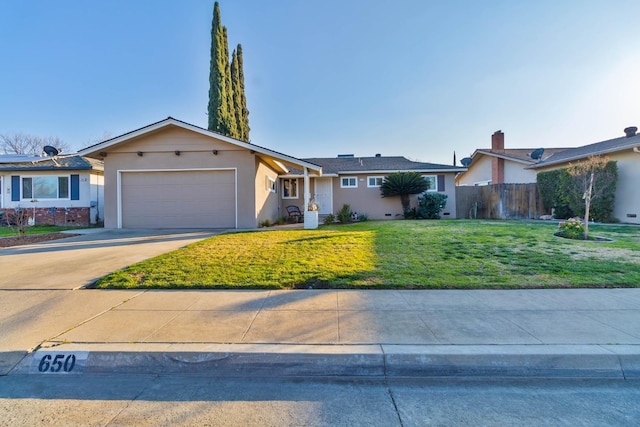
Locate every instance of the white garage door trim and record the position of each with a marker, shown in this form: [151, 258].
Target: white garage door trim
[123, 171]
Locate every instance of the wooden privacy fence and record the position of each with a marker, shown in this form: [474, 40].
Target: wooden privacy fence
[499, 201]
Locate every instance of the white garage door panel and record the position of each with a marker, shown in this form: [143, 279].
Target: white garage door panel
[178, 199]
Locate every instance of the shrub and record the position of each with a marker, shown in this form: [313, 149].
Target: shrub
[559, 191]
[329, 219]
[572, 228]
[551, 185]
[363, 217]
[411, 213]
[20, 219]
[430, 205]
[265, 223]
[344, 214]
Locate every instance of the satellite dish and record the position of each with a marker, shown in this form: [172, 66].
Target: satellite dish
[466, 161]
[50, 151]
[537, 154]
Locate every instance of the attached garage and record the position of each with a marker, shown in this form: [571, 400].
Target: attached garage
[178, 199]
[171, 174]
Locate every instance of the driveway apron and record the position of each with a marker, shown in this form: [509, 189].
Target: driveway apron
[77, 261]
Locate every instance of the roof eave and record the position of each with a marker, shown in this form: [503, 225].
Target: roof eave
[102, 146]
[583, 156]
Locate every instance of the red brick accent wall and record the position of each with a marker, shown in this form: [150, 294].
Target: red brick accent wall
[55, 216]
[497, 164]
[497, 170]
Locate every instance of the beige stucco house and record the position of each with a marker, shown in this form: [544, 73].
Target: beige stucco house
[356, 181]
[172, 174]
[625, 150]
[498, 165]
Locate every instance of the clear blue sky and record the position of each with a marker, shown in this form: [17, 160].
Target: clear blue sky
[417, 78]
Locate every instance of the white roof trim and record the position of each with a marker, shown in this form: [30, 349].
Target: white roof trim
[378, 172]
[501, 156]
[174, 122]
[581, 157]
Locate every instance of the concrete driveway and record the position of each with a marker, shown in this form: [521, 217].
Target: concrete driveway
[77, 261]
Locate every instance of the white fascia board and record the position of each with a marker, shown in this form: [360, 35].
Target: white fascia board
[582, 157]
[382, 172]
[171, 121]
[300, 175]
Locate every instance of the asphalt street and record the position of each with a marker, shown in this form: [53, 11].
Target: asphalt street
[151, 400]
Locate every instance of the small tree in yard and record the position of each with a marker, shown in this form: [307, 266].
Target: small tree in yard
[593, 178]
[19, 219]
[403, 184]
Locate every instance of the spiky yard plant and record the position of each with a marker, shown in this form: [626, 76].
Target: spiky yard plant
[403, 184]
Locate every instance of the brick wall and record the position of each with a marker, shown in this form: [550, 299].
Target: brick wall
[54, 216]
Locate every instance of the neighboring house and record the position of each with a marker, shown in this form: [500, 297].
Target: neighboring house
[356, 181]
[58, 190]
[498, 165]
[172, 174]
[625, 151]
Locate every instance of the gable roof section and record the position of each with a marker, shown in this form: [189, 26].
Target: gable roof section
[598, 148]
[278, 159]
[518, 155]
[351, 165]
[24, 163]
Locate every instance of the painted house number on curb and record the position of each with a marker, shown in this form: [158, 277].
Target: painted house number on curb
[59, 362]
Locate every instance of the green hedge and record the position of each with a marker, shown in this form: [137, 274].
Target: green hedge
[560, 191]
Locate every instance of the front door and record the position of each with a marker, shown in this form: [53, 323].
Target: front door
[324, 195]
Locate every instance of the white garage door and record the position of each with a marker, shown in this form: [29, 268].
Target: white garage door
[178, 199]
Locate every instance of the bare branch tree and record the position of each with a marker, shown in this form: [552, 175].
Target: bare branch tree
[593, 179]
[20, 143]
[105, 136]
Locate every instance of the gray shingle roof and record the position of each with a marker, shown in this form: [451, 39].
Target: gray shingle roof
[17, 163]
[603, 147]
[519, 154]
[343, 165]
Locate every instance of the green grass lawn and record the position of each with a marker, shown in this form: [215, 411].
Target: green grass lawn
[396, 254]
[36, 229]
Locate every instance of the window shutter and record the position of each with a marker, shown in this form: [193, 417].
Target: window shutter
[75, 187]
[15, 188]
[440, 182]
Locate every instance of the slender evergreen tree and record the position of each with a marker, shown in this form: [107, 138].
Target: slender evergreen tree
[243, 97]
[230, 117]
[235, 84]
[217, 91]
[227, 110]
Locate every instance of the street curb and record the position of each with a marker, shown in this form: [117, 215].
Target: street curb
[376, 360]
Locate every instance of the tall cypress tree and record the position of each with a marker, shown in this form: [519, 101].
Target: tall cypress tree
[244, 112]
[230, 117]
[228, 112]
[217, 82]
[235, 84]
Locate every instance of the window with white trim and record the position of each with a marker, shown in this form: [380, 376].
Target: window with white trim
[271, 184]
[432, 181]
[374, 181]
[349, 182]
[45, 187]
[289, 188]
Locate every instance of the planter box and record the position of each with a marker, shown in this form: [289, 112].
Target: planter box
[311, 219]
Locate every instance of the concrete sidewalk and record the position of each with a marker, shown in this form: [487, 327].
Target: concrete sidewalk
[427, 333]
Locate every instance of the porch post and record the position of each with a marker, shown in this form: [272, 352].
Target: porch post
[310, 217]
[306, 190]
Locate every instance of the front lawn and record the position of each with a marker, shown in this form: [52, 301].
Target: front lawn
[36, 229]
[396, 254]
